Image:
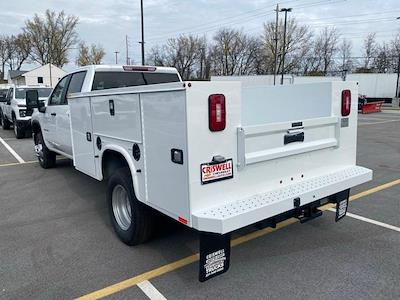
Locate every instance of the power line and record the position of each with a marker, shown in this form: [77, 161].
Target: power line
[241, 20]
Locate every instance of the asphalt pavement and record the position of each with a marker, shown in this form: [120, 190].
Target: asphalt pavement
[56, 240]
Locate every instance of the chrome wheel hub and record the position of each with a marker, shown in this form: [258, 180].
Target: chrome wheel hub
[121, 207]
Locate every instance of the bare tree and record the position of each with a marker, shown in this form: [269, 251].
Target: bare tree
[156, 57]
[19, 50]
[382, 62]
[297, 45]
[183, 53]
[51, 37]
[345, 49]
[325, 47]
[3, 54]
[90, 55]
[234, 53]
[370, 49]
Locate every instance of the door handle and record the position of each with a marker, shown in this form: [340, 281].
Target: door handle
[53, 114]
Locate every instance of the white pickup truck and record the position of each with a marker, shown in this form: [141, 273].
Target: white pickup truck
[13, 109]
[212, 155]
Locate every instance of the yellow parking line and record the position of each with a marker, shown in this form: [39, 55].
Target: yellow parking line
[112, 289]
[19, 164]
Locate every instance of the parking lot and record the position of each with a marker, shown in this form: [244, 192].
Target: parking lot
[56, 240]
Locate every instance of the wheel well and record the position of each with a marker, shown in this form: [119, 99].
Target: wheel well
[111, 161]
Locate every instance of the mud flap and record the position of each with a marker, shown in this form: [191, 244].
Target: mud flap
[342, 203]
[215, 252]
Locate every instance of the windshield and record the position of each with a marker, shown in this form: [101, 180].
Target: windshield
[43, 92]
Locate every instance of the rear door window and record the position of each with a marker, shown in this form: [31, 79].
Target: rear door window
[113, 80]
[157, 78]
[76, 83]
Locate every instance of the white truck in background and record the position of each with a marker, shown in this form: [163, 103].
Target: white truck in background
[13, 109]
[212, 155]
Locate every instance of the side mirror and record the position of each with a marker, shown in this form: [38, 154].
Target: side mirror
[32, 99]
[32, 102]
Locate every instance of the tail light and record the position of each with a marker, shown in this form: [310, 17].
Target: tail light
[216, 112]
[346, 103]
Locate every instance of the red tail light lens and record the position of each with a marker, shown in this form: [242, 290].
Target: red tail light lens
[216, 112]
[346, 103]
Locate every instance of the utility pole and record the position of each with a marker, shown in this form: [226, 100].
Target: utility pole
[142, 42]
[285, 10]
[127, 49]
[276, 42]
[116, 57]
[398, 76]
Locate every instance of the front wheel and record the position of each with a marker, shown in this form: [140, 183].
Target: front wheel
[47, 158]
[133, 221]
[5, 123]
[18, 131]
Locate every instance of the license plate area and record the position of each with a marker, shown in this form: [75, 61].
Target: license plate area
[216, 171]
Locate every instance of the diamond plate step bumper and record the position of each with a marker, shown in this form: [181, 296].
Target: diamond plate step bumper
[237, 214]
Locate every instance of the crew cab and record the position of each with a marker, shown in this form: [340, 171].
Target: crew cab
[13, 109]
[215, 156]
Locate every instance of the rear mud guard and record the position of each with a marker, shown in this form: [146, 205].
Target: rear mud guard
[341, 200]
[215, 252]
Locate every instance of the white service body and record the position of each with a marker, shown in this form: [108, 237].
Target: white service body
[267, 175]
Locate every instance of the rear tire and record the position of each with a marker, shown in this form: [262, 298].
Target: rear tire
[133, 221]
[47, 158]
[1, 118]
[19, 132]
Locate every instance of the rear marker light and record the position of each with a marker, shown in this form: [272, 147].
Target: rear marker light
[346, 103]
[216, 112]
[182, 220]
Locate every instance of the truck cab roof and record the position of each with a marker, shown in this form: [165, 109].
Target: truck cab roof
[104, 77]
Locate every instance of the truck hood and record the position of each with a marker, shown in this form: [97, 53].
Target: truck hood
[22, 102]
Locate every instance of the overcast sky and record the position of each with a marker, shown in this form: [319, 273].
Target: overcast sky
[106, 22]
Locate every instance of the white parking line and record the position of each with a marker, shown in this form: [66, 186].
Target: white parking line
[150, 290]
[11, 150]
[388, 226]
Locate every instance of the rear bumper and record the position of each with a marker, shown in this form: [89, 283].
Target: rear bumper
[237, 214]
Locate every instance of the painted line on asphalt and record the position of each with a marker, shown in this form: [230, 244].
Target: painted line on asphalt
[150, 290]
[11, 150]
[375, 123]
[19, 164]
[361, 218]
[128, 283]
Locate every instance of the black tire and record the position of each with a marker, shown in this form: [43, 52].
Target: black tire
[18, 131]
[5, 123]
[1, 117]
[28, 133]
[47, 158]
[141, 225]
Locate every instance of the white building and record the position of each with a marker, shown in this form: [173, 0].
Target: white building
[372, 85]
[47, 75]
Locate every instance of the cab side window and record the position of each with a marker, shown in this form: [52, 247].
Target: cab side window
[76, 83]
[58, 95]
[10, 95]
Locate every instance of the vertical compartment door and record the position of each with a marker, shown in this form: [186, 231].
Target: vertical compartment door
[82, 135]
